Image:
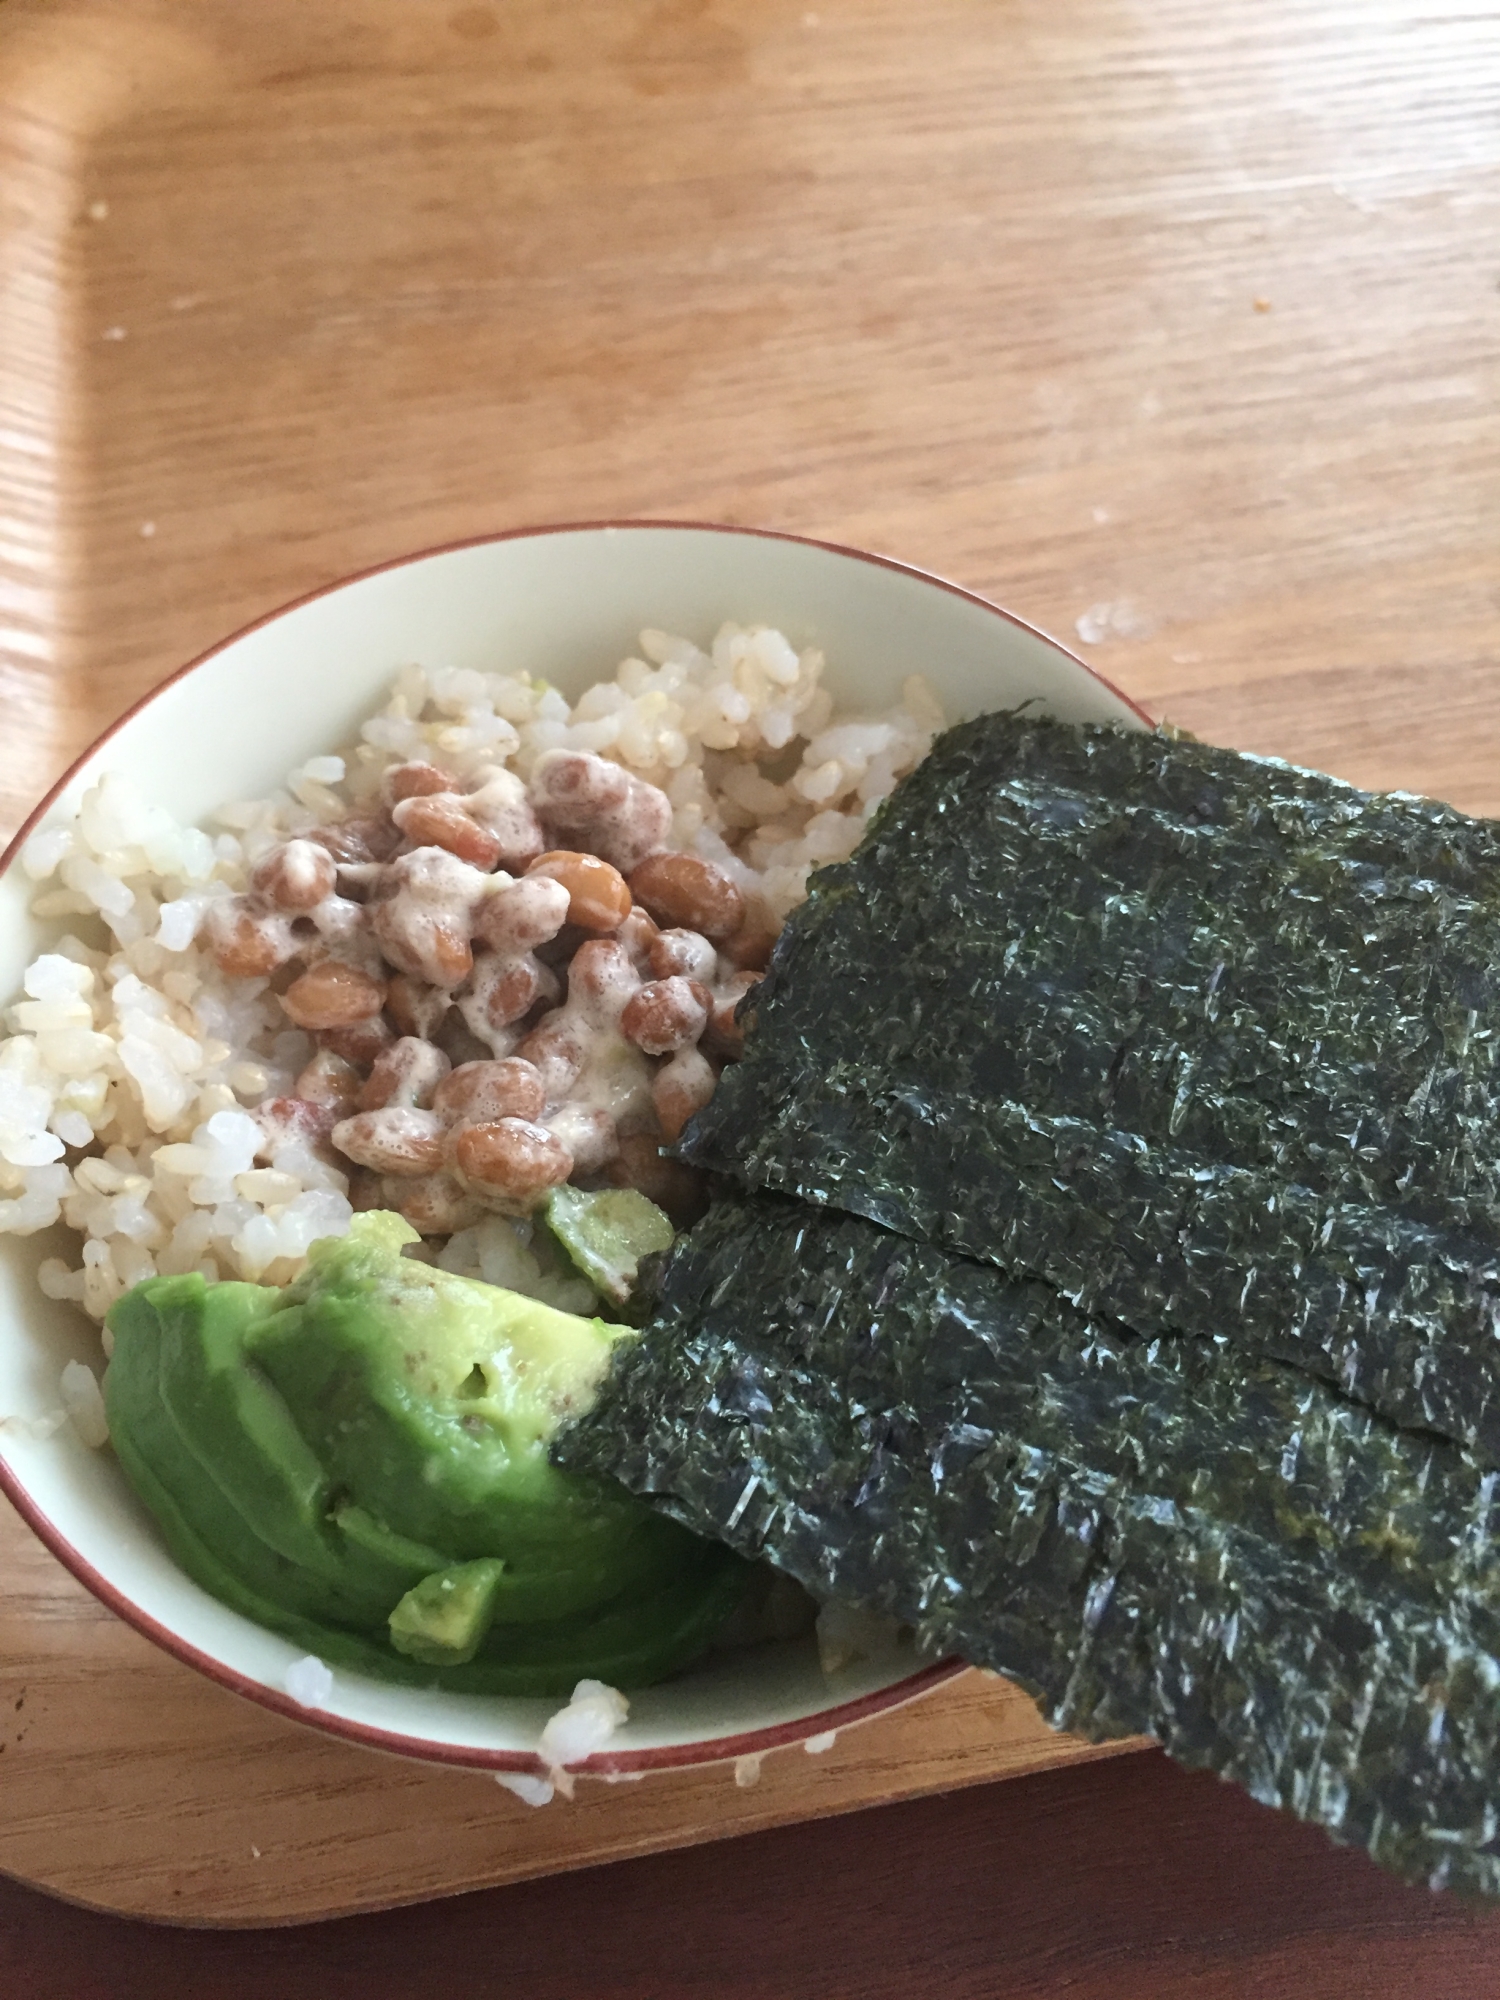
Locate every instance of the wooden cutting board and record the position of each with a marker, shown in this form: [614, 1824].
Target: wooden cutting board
[129, 1782]
[1174, 329]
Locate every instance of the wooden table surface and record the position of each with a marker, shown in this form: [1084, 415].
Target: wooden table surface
[1127, 1880]
[1176, 328]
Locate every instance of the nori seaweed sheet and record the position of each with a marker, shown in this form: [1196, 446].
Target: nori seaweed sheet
[1207, 1041]
[1172, 1537]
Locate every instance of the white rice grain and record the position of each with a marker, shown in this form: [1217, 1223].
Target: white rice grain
[83, 1400]
[308, 1681]
[581, 1729]
[531, 1790]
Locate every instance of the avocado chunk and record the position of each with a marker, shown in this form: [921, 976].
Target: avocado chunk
[606, 1234]
[443, 1618]
[361, 1462]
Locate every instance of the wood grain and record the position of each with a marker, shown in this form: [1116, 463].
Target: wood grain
[130, 1783]
[1182, 321]
[1127, 1880]
[982, 292]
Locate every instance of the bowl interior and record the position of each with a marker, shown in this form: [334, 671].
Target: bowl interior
[565, 604]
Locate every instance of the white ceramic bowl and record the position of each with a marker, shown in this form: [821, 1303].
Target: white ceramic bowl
[566, 603]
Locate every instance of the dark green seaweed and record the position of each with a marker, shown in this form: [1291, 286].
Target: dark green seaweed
[1172, 1537]
[1206, 1041]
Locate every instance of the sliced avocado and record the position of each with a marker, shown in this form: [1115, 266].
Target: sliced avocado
[220, 1579]
[213, 1535]
[232, 1422]
[442, 1619]
[630, 1645]
[430, 1400]
[405, 1558]
[319, 1456]
[607, 1233]
[256, 1453]
[633, 1641]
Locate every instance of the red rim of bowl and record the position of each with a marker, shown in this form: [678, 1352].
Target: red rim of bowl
[712, 1750]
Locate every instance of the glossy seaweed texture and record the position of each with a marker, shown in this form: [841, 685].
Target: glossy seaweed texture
[1167, 1536]
[1206, 1041]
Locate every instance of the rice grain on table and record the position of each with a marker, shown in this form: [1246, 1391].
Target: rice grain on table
[133, 1064]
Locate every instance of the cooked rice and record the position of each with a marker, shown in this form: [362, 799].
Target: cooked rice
[133, 1062]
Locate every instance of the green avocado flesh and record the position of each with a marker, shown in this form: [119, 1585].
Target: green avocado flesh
[443, 1618]
[606, 1233]
[360, 1462]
